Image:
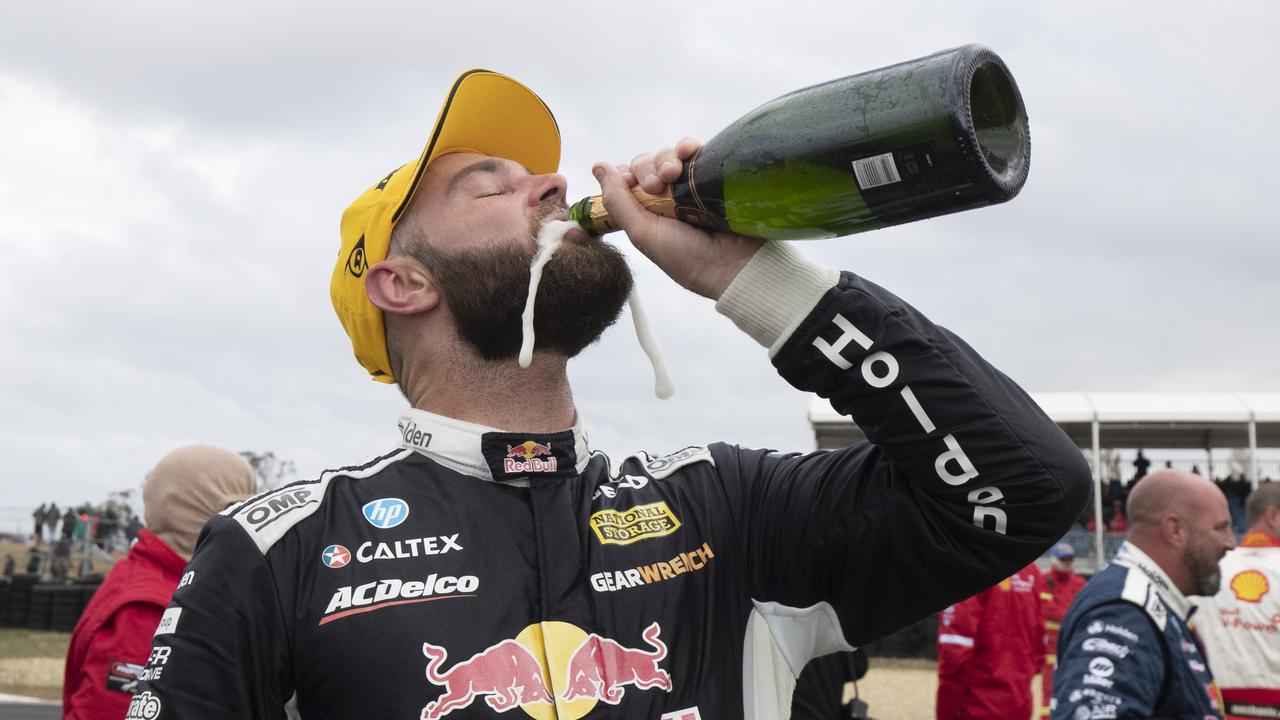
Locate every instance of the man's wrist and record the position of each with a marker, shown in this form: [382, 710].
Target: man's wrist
[775, 292]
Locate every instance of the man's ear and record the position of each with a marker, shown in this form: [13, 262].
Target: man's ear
[1175, 530]
[400, 285]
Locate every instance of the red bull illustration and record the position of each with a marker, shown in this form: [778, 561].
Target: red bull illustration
[601, 666]
[527, 457]
[507, 674]
[519, 672]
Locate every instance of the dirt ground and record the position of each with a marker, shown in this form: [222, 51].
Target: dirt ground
[898, 689]
[31, 664]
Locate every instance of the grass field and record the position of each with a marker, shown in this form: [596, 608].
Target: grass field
[31, 662]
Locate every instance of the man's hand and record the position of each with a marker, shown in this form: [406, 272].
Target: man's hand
[702, 261]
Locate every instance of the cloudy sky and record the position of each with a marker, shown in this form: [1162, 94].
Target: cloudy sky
[172, 174]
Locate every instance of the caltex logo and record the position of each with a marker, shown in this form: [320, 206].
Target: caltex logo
[336, 556]
[385, 513]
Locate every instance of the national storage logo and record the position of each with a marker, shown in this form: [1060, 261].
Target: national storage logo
[623, 527]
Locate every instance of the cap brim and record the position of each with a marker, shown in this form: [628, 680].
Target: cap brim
[490, 114]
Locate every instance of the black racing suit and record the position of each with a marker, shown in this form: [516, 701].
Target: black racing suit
[473, 573]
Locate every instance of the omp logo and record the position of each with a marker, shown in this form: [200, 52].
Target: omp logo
[274, 506]
[357, 599]
[623, 527]
[356, 261]
[1250, 586]
[385, 513]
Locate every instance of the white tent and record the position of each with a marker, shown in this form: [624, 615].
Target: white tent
[1127, 420]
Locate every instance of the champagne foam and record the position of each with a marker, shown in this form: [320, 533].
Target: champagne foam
[549, 239]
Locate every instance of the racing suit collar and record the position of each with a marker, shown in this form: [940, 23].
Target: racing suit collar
[1130, 556]
[491, 454]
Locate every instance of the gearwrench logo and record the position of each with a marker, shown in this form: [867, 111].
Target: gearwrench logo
[509, 674]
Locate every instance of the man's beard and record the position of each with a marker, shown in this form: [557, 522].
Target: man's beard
[1202, 564]
[581, 294]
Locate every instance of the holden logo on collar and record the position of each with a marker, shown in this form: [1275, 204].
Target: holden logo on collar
[386, 513]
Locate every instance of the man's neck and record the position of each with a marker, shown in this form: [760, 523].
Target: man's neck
[500, 395]
[1167, 559]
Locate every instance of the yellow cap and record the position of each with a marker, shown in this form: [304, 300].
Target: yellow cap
[485, 112]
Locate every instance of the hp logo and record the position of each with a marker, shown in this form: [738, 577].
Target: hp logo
[386, 513]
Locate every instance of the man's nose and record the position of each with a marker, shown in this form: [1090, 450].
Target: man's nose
[550, 187]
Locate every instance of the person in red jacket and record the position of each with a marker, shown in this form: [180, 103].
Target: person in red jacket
[112, 641]
[989, 648]
[1062, 583]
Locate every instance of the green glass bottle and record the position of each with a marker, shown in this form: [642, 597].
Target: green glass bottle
[927, 137]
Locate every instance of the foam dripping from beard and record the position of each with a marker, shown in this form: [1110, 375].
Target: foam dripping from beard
[549, 239]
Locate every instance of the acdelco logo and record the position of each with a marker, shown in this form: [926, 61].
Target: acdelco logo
[357, 599]
[265, 512]
[623, 527]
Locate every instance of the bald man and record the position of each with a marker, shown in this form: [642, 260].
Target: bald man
[1238, 625]
[1125, 649]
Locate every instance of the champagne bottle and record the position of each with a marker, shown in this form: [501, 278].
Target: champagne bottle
[927, 137]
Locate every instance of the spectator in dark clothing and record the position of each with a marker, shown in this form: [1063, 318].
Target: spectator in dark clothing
[1141, 463]
[61, 559]
[51, 518]
[8, 566]
[38, 517]
[69, 523]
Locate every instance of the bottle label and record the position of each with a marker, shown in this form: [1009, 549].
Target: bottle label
[896, 184]
[875, 171]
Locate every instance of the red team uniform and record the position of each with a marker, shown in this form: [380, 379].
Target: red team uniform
[1062, 585]
[989, 648]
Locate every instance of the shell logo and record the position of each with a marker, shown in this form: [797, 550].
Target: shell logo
[1250, 586]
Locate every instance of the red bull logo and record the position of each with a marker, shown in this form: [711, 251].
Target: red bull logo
[550, 670]
[507, 674]
[528, 457]
[600, 667]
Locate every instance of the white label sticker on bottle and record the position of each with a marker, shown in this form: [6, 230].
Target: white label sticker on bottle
[875, 171]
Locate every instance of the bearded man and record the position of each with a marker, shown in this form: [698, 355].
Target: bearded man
[1125, 649]
[493, 563]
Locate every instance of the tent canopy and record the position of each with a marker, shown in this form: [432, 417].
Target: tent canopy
[1125, 420]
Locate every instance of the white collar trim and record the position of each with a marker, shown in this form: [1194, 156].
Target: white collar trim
[456, 444]
[1130, 556]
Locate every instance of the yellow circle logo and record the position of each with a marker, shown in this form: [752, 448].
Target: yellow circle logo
[1250, 586]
